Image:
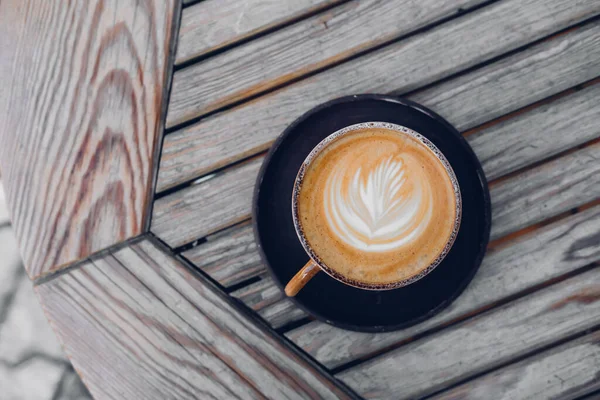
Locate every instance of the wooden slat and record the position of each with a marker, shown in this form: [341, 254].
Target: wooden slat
[324, 39]
[137, 324]
[216, 203]
[535, 199]
[523, 263]
[200, 210]
[550, 189]
[398, 68]
[281, 313]
[549, 129]
[562, 372]
[267, 299]
[214, 24]
[229, 257]
[484, 342]
[259, 294]
[79, 121]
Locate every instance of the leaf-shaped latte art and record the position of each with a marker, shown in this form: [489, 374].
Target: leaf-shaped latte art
[381, 209]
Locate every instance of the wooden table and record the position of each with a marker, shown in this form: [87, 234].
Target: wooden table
[146, 264]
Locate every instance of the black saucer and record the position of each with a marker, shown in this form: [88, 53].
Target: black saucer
[324, 297]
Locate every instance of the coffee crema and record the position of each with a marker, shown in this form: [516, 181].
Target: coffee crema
[378, 206]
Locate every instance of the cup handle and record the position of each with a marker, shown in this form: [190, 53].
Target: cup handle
[307, 272]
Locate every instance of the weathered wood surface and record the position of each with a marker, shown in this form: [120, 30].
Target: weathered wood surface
[200, 210]
[558, 125]
[484, 342]
[230, 256]
[269, 302]
[564, 372]
[214, 24]
[138, 324]
[514, 267]
[226, 137]
[80, 117]
[299, 49]
[530, 260]
[545, 191]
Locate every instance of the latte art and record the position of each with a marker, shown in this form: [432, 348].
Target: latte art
[377, 206]
[380, 209]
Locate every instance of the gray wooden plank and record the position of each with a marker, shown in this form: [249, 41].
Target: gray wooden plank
[555, 126]
[213, 24]
[484, 342]
[137, 324]
[80, 117]
[548, 190]
[299, 49]
[563, 372]
[223, 138]
[281, 313]
[530, 260]
[526, 78]
[537, 194]
[269, 301]
[230, 256]
[259, 294]
[216, 203]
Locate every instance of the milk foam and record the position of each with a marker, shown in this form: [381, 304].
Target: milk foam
[381, 208]
[377, 205]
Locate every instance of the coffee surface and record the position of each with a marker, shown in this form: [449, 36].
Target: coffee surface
[377, 206]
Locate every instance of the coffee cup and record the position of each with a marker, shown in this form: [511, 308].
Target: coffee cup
[376, 206]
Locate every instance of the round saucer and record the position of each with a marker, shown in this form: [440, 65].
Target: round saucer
[328, 299]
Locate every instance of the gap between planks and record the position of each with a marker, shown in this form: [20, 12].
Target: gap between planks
[224, 138]
[216, 26]
[485, 342]
[303, 49]
[568, 53]
[571, 102]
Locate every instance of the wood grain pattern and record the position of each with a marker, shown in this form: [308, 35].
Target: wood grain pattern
[79, 121]
[269, 302]
[525, 262]
[223, 138]
[484, 342]
[556, 126]
[221, 200]
[567, 371]
[537, 194]
[137, 324]
[540, 193]
[546, 191]
[214, 24]
[273, 59]
[230, 256]
[531, 260]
